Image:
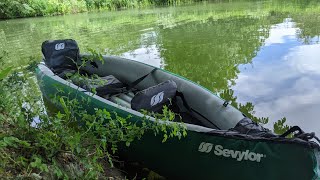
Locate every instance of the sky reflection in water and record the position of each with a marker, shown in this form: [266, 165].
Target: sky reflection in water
[283, 79]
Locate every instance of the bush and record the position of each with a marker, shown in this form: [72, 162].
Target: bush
[35, 143]
[29, 8]
[15, 8]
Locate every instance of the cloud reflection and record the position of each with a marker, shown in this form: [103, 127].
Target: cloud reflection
[283, 79]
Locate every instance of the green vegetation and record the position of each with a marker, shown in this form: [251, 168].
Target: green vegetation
[205, 46]
[4, 68]
[30, 8]
[36, 143]
[27, 8]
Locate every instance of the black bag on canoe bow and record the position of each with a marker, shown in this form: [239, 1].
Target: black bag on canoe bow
[60, 55]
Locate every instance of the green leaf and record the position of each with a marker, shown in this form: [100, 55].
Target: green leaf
[78, 149]
[59, 115]
[280, 127]
[13, 141]
[184, 133]
[128, 144]
[36, 162]
[165, 137]
[4, 73]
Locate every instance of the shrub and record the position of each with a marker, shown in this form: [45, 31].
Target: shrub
[37, 143]
[15, 8]
[28, 8]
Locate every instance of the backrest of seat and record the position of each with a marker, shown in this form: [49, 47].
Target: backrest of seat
[153, 98]
[60, 54]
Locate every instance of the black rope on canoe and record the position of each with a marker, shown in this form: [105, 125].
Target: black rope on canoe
[308, 136]
[315, 137]
[292, 130]
[301, 134]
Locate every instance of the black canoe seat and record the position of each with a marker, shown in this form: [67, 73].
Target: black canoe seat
[153, 98]
[150, 99]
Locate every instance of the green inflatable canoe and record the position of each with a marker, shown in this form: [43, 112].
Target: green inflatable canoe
[221, 143]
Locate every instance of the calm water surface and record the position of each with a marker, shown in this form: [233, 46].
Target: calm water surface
[263, 56]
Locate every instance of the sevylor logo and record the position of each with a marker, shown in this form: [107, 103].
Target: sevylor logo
[230, 153]
[59, 46]
[156, 99]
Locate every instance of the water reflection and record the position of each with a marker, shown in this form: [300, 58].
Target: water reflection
[283, 80]
[148, 55]
[210, 52]
[309, 27]
[260, 54]
[115, 34]
[148, 52]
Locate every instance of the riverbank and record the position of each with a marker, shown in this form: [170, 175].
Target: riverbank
[32, 8]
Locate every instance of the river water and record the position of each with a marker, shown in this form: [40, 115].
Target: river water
[263, 56]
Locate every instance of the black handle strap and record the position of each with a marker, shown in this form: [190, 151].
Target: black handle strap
[136, 82]
[292, 130]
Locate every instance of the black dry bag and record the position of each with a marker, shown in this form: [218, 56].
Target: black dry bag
[60, 55]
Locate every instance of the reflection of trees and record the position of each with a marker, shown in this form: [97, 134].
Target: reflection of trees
[210, 52]
[305, 13]
[309, 27]
[113, 33]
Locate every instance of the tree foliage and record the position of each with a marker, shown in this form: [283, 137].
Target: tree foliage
[30, 8]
